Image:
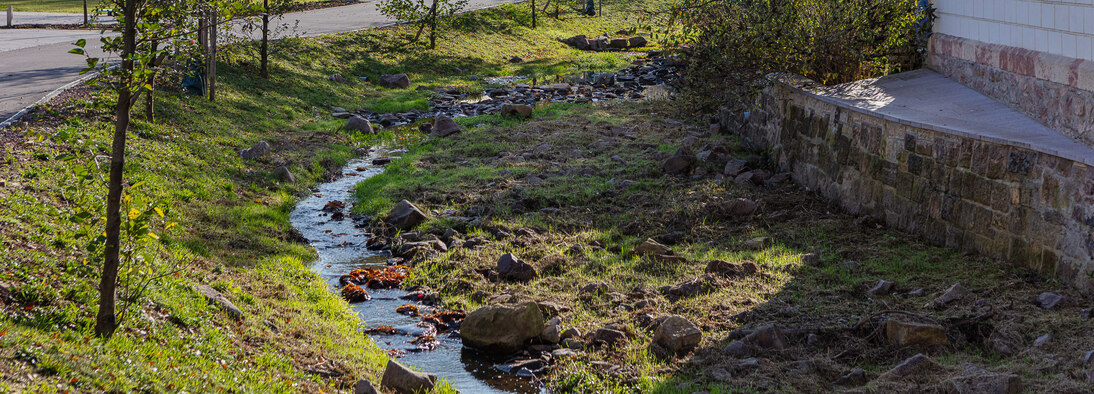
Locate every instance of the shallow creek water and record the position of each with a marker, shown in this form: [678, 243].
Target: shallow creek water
[341, 248]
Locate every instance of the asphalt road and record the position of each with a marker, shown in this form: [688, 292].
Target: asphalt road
[35, 62]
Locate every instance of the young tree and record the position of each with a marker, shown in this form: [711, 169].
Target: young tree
[416, 12]
[148, 30]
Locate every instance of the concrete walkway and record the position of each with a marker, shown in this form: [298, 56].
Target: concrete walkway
[926, 99]
[35, 62]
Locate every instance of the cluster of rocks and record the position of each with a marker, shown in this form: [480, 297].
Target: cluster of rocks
[535, 343]
[260, 149]
[519, 99]
[604, 42]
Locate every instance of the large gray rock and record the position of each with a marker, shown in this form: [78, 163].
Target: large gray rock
[512, 268]
[676, 336]
[552, 331]
[1049, 300]
[680, 163]
[977, 380]
[502, 329]
[395, 81]
[283, 174]
[734, 167]
[444, 126]
[619, 43]
[954, 293]
[652, 248]
[917, 365]
[733, 270]
[579, 41]
[214, 296]
[358, 123]
[637, 41]
[608, 336]
[519, 110]
[364, 386]
[402, 380]
[406, 215]
[740, 207]
[258, 150]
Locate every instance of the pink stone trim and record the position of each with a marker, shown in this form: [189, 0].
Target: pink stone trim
[1077, 73]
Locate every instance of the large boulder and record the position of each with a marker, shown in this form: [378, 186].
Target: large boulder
[364, 386]
[520, 110]
[911, 368]
[954, 293]
[512, 268]
[638, 41]
[283, 174]
[406, 216]
[502, 329]
[402, 380]
[652, 248]
[680, 163]
[619, 43]
[733, 270]
[734, 167]
[676, 336]
[578, 41]
[214, 296]
[975, 379]
[258, 150]
[395, 81]
[444, 126]
[358, 123]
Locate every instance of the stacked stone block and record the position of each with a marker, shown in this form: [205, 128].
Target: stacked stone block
[1009, 203]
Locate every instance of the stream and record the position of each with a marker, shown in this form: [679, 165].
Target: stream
[341, 248]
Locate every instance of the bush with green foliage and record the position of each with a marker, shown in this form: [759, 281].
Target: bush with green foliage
[422, 13]
[735, 44]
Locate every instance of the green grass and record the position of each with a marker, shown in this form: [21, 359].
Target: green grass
[571, 148]
[73, 6]
[233, 228]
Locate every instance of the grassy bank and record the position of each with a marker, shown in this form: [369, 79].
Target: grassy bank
[232, 214]
[575, 190]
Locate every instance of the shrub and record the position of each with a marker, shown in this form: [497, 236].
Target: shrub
[736, 43]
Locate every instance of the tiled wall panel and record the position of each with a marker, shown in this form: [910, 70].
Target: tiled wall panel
[1059, 27]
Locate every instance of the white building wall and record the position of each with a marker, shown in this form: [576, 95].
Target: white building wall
[1059, 27]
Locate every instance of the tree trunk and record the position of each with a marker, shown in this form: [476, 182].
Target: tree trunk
[106, 322]
[533, 14]
[212, 58]
[265, 38]
[433, 26]
[85, 13]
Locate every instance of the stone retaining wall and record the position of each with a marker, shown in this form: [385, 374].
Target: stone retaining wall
[1005, 202]
[1056, 91]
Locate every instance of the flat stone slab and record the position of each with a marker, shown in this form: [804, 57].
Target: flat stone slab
[927, 100]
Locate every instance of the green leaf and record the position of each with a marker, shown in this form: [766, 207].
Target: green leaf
[77, 51]
[80, 43]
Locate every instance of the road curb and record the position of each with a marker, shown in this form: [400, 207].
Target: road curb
[19, 115]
